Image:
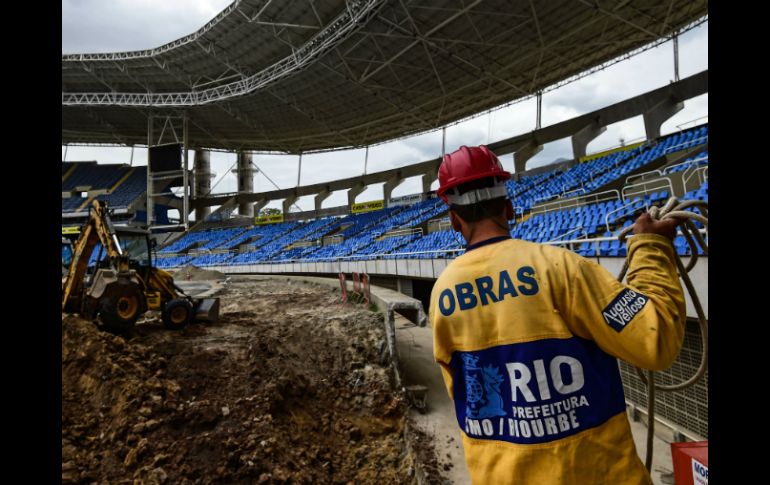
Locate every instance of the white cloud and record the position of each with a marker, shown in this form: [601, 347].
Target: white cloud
[96, 26]
[120, 25]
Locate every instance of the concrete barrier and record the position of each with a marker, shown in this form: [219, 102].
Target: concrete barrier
[430, 269]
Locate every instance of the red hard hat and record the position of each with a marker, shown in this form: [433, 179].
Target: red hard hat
[466, 165]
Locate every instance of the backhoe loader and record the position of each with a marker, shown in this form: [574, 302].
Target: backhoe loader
[124, 284]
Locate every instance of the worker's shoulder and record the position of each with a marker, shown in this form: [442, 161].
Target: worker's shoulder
[513, 253]
[546, 251]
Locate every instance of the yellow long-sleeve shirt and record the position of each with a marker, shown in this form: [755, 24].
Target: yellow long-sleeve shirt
[527, 337]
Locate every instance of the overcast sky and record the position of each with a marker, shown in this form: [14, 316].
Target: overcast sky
[117, 25]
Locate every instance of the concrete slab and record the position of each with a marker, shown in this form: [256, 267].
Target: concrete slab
[662, 465]
[417, 366]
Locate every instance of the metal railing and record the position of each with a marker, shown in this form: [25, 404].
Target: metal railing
[664, 180]
[543, 197]
[620, 145]
[625, 206]
[577, 229]
[641, 176]
[687, 162]
[565, 195]
[576, 202]
[689, 144]
[691, 121]
[700, 172]
[364, 256]
[403, 232]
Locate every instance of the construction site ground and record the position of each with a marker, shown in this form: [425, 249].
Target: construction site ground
[288, 387]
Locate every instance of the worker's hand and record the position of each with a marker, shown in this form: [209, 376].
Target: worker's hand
[646, 225]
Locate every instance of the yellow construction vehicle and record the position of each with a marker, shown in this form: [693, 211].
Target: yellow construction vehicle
[124, 284]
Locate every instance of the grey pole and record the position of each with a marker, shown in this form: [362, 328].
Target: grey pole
[185, 180]
[676, 56]
[443, 142]
[150, 208]
[299, 168]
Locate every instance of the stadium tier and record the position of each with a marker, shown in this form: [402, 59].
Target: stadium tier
[119, 185]
[405, 232]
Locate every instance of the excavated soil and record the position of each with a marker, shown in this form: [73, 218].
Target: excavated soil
[289, 387]
[194, 273]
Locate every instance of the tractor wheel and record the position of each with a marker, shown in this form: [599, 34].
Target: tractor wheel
[120, 311]
[177, 314]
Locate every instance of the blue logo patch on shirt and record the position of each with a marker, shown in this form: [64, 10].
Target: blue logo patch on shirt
[535, 392]
[623, 308]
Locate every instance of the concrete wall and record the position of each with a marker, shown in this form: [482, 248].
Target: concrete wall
[656, 105]
[430, 269]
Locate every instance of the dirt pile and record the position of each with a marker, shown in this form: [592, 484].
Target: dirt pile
[289, 387]
[194, 273]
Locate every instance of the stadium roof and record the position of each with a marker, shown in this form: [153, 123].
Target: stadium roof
[298, 76]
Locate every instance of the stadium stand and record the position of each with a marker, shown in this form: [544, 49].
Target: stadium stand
[586, 177]
[124, 184]
[400, 232]
[93, 176]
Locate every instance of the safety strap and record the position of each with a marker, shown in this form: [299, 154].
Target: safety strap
[478, 195]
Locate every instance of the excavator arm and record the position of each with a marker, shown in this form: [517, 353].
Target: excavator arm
[98, 228]
[75, 299]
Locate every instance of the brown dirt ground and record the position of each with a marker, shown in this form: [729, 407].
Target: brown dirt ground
[194, 273]
[289, 387]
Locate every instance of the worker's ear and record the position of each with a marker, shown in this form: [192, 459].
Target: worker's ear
[508, 210]
[456, 222]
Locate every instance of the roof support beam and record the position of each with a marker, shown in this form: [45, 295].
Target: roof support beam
[427, 34]
[595, 6]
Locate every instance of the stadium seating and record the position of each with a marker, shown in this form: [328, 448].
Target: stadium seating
[367, 235]
[586, 177]
[93, 175]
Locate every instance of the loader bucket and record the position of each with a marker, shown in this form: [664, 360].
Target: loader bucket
[206, 310]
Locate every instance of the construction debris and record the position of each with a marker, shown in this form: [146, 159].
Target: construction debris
[194, 273]
[289, 387]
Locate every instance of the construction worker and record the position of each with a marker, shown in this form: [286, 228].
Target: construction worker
[527, 337]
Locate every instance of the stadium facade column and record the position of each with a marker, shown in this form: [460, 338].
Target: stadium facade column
[658, 114]
[427, 180]
[202, 175]
[393, 182]
[149, 204]
[321, 196]
[524, 153]
[288, 201]
[258, 205]
[354, 191]
[245, 172]
[583, 137]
